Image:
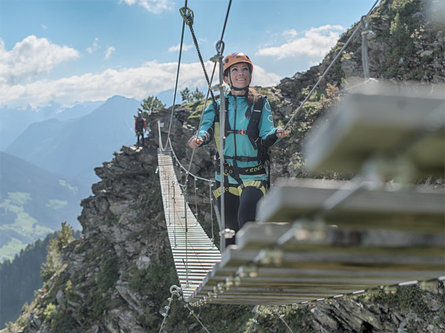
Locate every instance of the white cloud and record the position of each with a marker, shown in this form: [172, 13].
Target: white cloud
[315, 43]
[149, 79]
[262, 78]
[152, 6]
[291, 33]
[21, 83]
[94, 47]
[185, 47]
[110, 50]
[30, 58]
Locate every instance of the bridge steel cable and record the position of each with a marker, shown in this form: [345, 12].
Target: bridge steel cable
[177, 79]
[187, 15]
[220, 50]
[188, 18]
[359, 26]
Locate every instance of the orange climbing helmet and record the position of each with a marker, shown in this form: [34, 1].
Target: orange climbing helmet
[235, 58]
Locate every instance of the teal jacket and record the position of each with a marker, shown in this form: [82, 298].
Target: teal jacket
[239, 144]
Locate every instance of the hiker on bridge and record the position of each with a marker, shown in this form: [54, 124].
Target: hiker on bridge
[140, 127]
[249, 132]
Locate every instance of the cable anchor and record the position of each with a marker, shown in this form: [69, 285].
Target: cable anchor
[220, 47]
[219, 52]
[164, 311]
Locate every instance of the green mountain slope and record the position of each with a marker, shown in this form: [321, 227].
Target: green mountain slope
[33, 203]
[19, 278]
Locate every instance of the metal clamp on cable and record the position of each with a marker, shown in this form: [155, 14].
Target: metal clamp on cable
[176, 291]
[218, 58]
[187, 15]
[220, 47]
[227, 233]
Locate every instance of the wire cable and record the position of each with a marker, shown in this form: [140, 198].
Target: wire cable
[177, 79]
[295, 113]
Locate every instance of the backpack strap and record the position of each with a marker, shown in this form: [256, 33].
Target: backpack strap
[227, 123]
[253, 129]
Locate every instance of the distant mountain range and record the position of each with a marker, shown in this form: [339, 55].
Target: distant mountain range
[33, 203]
[74, 147]
[49, 168]
[13, 122]
[48, 160]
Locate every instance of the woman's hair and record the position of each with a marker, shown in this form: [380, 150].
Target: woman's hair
[251, 96]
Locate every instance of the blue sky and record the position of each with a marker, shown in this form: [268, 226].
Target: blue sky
[70, 51]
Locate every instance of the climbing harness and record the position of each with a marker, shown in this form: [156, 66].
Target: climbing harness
[262, 146]
[238, 189]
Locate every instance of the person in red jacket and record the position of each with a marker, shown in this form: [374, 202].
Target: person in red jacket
[139, 127]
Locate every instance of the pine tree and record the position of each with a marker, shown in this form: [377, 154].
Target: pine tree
[151, 104]
[53, 262]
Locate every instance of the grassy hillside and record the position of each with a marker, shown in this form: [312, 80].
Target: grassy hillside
[33, 203]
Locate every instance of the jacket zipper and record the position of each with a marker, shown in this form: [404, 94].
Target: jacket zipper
[234, 132]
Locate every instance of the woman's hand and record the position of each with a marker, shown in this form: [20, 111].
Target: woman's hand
[281, 133]
[195, 141]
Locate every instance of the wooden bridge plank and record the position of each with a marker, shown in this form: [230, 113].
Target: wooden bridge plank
[377, 122]
[320, 266]
[405, 210]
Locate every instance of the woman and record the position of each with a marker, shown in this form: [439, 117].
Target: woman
[249, 130]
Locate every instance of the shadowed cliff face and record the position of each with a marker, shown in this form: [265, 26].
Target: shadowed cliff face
[116, 278]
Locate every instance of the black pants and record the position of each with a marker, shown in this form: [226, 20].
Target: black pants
[239, 209]
[141, 135]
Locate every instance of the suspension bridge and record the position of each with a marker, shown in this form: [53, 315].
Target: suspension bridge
[319, 239]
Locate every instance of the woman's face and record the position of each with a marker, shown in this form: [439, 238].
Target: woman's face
[240, 75]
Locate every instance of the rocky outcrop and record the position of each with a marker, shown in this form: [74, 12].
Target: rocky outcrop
[403, 46]
[123, 235]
